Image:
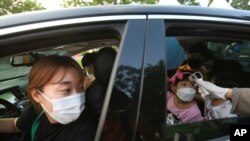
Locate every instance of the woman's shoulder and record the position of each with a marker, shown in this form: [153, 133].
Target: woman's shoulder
[84, 128]
[26, 118]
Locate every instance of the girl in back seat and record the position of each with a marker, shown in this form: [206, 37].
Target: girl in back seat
[180, 99]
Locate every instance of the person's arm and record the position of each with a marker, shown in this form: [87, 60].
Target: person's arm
[8, 125]
[240, 101]
[239, 96]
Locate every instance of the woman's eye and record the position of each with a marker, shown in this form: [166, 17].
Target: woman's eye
[67, 90]
[183, 84]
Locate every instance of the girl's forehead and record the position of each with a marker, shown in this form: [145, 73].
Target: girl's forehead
[185, 81]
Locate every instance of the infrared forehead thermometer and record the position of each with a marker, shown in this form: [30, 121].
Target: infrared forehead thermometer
[195, 76]
[198, 76]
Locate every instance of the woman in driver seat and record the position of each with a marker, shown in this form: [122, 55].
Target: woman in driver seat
[57, 112]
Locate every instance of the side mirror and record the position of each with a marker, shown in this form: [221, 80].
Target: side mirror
[22, 60]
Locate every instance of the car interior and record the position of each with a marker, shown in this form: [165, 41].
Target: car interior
[231, 56]
[13, 90]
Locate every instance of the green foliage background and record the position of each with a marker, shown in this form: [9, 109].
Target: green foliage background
[18, 6]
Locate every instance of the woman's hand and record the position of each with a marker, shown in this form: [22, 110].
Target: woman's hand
[88, 80]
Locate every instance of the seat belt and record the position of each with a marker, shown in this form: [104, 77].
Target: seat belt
[35, 126]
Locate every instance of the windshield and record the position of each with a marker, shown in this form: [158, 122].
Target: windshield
[9, 72]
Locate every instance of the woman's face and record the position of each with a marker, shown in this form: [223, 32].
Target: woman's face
[64, 83]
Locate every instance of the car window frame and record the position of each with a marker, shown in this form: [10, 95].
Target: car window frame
[33, 31]
[152, 89]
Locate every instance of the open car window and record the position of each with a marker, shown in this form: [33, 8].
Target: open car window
[229, 67]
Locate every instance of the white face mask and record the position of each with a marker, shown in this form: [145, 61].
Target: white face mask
[186, 94]
[66, 109]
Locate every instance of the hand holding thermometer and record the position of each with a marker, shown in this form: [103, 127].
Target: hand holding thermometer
[197, 76]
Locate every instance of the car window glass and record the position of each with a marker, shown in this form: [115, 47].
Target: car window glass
[238, 51]
[234, 50]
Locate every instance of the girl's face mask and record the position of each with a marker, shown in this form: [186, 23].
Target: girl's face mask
[186, 94]
[66, 109]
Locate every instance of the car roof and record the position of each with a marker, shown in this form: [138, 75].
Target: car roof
[89, 11]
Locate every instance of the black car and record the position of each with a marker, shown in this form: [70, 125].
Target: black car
[142, 36]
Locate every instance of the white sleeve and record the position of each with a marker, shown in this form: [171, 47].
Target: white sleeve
[226, 110]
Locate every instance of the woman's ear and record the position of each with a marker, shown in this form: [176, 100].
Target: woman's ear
[35, 95]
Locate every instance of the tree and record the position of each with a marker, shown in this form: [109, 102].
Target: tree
[74, 3]
[17, 6]
[188, 2]
[241, 4]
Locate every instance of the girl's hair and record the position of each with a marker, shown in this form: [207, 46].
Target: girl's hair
[180, 75]
[44, 70]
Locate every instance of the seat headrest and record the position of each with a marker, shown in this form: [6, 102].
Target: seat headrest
[103, 64]
[88, 59]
